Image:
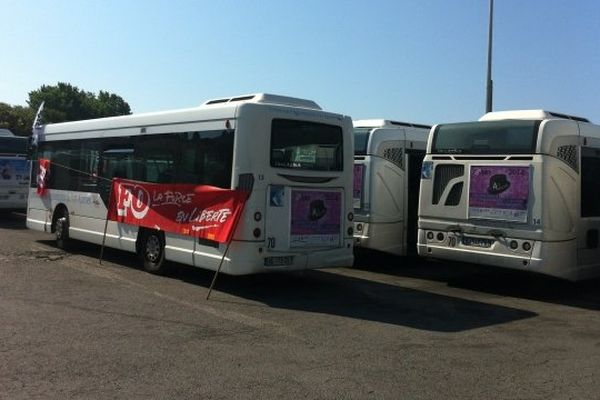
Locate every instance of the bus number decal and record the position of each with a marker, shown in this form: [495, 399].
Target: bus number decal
[270, 242]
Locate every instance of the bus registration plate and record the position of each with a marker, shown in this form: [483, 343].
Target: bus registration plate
[279, 261]
[477, 242]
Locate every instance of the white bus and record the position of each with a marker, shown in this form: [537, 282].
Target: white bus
[287, 151]
[387, 172]
[517, 189]
[14, 171]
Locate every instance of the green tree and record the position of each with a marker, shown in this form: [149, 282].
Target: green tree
[62, 102]
[108, 105]
[65, 102]
[17, 119]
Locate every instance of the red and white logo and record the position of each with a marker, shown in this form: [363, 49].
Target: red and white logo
[134, 198]
[42, 176]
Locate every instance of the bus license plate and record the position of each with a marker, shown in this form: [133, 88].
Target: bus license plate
[279, 261]
[477, 242]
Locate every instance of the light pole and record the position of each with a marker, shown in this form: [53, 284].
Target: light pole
[490, 83]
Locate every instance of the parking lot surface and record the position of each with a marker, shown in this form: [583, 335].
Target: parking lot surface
[388, 328]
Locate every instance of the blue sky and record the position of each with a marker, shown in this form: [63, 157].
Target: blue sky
[420, 61]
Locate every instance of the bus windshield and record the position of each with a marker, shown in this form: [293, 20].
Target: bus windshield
[487, 137]
[306, 145]
[13, 145]
[361, 139]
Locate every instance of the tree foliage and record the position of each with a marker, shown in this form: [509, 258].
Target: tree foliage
[65, 102]
[17, 119]
[62, 102]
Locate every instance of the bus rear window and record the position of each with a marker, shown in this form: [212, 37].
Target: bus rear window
[486, 137]
[361, 139]
[306, 145]
[13, 145]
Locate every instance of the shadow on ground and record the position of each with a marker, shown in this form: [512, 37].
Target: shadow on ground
[486, 279]
[329, 292]
[12, 220]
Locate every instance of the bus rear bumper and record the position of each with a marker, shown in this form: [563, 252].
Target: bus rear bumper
[556, 259]
[246, 258]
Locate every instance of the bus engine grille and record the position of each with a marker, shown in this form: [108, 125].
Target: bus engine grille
[444, 173]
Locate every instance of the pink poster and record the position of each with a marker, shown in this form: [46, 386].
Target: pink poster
[316, 218]
[499, 192]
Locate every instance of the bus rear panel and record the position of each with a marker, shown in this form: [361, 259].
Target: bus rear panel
[507, 191]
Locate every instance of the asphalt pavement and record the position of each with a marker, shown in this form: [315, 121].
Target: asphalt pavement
[388, 328]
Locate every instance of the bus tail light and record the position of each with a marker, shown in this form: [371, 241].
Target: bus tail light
[257, 216]
[514, 244]
[526, 246]
[430, 235]
[257, 232]
[350, 216]
[350, 231]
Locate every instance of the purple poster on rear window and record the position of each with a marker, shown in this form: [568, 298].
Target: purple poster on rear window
[315, 218]
[358, 185]
[499, 192]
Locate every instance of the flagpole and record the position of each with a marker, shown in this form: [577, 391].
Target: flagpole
[249, 182]
[212, 284]
[106, 223]
[489, 82]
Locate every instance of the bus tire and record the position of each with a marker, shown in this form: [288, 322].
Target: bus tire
[152, 251]
[61, 229]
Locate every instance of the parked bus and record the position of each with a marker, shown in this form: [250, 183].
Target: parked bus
[14, 171]
[517, 189]
[287, 151]
[387, 172]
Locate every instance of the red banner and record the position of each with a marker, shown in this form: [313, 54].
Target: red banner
[202, 211]
[42, 176]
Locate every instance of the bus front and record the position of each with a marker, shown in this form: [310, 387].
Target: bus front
[494, 192]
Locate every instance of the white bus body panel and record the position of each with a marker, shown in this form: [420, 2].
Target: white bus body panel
[380, 219]
[247, 253]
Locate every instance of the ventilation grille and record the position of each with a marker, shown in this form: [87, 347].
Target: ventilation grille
[569, 155]
[455, 194]
[395, 155]
[444, 173]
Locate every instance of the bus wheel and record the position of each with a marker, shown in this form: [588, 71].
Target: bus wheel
[61, 230]
[152, 251]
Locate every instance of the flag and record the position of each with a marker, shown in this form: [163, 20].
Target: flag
[42, 176]
[37, 129]
[201, 211]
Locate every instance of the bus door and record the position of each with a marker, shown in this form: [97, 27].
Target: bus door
[413, 164]
[588, 235]
[387, 180]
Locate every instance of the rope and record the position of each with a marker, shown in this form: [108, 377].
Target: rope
[52, 163]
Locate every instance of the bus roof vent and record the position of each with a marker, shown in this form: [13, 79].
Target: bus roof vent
[529, 115]
[6, 133]
[266, 98]
[382, 123]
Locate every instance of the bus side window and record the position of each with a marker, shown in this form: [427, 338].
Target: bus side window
[156, 155]
[115, 163]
